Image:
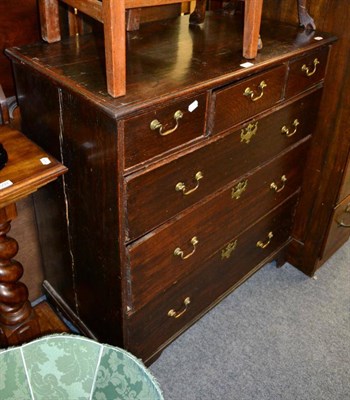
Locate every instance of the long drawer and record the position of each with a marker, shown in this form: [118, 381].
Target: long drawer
[174, 250]
[156, 195]
[164, 318]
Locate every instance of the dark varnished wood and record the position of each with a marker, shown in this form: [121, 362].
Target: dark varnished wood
[19, 25]
[64, 82]
[345, 187]
[330, 151]
[24, 229]
[4, 111]
[196, 62]
[339, 230]
[48, 320]
[205, 286]
[17, 320]
[153, 265]
[24, 168]
[198, 15]
[233, 106]
[160, 201]
[90, 140]
[298, 80]
[149, 14]
[141, 143]
[45, 129]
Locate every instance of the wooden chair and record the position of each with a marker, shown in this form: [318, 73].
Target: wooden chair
[112, 14]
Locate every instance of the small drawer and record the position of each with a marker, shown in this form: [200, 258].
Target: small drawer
[241, 101]
[306, 71]
[156, 195]
[339, 230]
[160, 321]
[162, 130]
[174, 250]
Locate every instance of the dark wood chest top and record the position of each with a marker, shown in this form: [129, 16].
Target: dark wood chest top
[166, 59]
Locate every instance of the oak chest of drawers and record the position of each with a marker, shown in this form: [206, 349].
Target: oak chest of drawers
[182, 189]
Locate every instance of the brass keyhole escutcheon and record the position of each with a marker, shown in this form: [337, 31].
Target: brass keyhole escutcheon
[237, 191]
[248, 132]
[228, 250]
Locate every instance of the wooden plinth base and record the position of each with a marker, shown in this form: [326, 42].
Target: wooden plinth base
[43, 322]
[48, 320]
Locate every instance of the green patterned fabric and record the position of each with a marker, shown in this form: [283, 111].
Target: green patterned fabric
[13, 380]
[66, 367]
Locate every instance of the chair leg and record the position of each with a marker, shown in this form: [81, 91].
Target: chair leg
[198, 15]
[133, 17]
[114, 34]
[304, 18]
[252, 20]
[49, 19]
[73, 22]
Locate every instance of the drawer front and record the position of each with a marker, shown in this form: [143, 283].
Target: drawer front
[150, 328]
[154, 262]
[209, 168]
[345, 188]
[243, 100]
[162, 130]
[306, 72]
[339, 231]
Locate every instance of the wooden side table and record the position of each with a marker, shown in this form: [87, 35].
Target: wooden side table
[28, 168]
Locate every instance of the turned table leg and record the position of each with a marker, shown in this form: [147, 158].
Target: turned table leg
[18, 321]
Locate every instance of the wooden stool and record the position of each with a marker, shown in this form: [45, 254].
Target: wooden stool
[112, 14]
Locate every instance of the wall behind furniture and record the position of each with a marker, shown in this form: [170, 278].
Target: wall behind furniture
[19, 24]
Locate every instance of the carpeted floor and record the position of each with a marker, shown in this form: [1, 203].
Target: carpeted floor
[279, 336]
